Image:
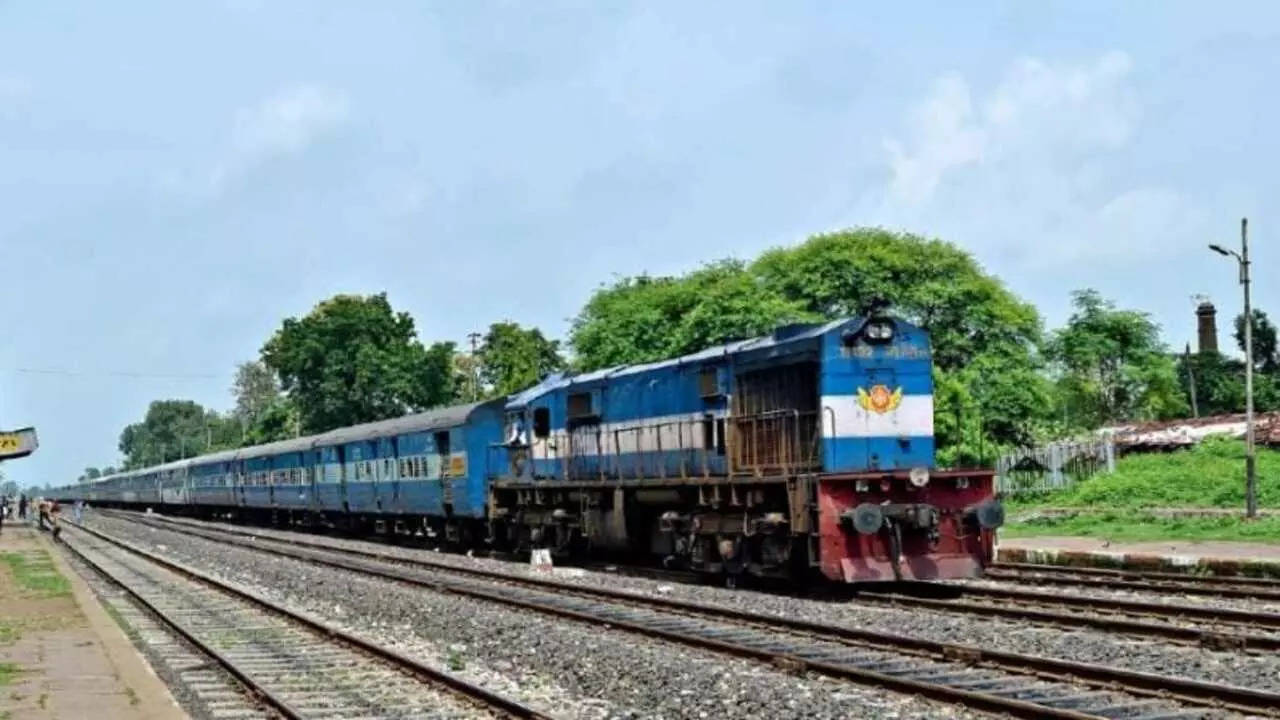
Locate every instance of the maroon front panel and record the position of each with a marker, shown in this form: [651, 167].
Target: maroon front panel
[850, 556]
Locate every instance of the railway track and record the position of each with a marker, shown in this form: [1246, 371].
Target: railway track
[1002, 682]
[1228, 587]
[294, 664]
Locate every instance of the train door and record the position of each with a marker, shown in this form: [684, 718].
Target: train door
[395, 477]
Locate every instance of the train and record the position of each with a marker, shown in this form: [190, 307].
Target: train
[807, 452]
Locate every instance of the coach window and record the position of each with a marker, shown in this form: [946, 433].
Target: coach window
[442, 443]
[541, 422]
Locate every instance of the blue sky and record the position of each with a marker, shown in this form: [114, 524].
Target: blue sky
[177, 178]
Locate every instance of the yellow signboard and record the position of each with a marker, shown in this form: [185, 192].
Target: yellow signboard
[17, 443]
[457, 466]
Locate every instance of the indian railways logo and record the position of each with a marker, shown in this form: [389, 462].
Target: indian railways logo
[880, 399]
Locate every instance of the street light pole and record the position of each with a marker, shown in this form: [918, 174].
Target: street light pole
[1250, 457]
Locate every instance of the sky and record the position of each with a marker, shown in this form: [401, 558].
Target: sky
[177, 178]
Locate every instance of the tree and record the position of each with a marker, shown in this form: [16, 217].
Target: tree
[255, 388]
[90, 473]
[645, 318]
[1111, 365]
[175, 429]
[1266, 355]
[513, 358]
[9, 488]
[278, 421]
[353, 359]
[985, 339]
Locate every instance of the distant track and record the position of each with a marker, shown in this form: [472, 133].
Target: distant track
[1232, 587]
[1019, 685]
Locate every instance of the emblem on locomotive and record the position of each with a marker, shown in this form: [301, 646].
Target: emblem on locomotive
[880, 399]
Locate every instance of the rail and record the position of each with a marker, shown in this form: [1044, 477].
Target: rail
[672, 623]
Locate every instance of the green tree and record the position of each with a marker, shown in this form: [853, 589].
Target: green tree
[1111, 366]
[353, 359]
[90, 473]
[171, 430]
[645, 318]
[278, 421]
[513, 358]
[1266, 355]
[254, 388]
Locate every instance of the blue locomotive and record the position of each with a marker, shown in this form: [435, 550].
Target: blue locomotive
[809, 448]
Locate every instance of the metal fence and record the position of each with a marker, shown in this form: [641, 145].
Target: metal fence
[1053, 466]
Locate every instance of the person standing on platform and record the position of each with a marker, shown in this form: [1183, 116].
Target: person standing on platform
[22, 506]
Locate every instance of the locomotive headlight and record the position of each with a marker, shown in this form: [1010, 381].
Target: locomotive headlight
[919, 476]
[879, 330]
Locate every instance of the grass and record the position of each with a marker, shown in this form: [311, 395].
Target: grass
[1127, 526]
[8, 671]
[1208, 475]
[35, 574]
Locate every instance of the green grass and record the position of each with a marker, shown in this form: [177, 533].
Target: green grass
[1131, 526]
[8, 671]
[1210, 474]
[9, 632]
[35, 574]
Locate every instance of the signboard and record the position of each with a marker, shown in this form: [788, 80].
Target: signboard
[17, 443]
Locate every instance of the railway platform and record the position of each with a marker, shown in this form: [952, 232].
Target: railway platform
[62, 657]
[1174, 556]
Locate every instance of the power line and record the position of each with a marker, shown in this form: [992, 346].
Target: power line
[65, 372]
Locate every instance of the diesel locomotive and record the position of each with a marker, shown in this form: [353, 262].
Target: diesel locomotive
[806, 450]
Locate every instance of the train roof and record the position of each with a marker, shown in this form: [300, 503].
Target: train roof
[782, 336]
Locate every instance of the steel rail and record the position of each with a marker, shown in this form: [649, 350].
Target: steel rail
[1142, 574]
[1177, 633]
[463, 688]
[1193, 692]
[251, 686]
[1140, 607]
[1184, 586]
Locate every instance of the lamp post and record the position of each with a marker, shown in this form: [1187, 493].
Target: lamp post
[1250, 460]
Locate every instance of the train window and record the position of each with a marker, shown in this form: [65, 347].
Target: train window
[578, 405]
[541, 422]
[708, 431]
[720, 436]
[708, 382]
[442, 443]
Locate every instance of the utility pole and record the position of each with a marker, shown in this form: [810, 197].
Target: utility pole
[1250, 458]
[474, 337]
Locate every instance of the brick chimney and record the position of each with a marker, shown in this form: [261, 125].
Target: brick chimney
[1207, 327]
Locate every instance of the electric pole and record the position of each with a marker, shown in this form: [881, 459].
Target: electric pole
[1250, 458]
[474, 337]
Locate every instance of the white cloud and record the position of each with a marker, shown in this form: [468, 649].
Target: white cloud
[1035, 173]
[288, 122]
[1038, 112]
[13, 87]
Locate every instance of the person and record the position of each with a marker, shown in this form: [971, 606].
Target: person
[42, 510]
[22, 506]
[56, 529]
[78, 510]
[4, 509]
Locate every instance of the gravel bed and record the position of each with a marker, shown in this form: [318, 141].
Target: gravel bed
[569, 669]
[1258, 671]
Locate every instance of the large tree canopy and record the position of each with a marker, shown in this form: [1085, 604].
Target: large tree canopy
[1266, 353]
[353, 359]
[513, 358]
[645, 318]
[984, 338]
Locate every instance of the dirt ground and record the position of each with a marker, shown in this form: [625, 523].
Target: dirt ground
[61, 656]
